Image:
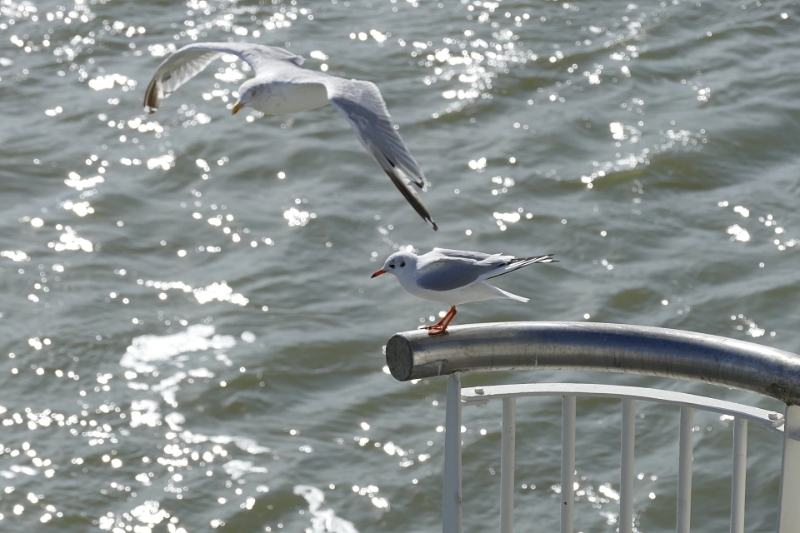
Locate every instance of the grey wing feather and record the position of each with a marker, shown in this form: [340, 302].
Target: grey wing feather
[454, 269]
[517, 263]
[477, 256]
[190, 60]
[363, 106]
[449, 274]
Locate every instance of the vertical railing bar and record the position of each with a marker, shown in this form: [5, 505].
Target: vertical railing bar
[567, 463]
[685, 470]
[451, 494]
[789, 510]
[507, 466]
[739, 476]
[626, 466]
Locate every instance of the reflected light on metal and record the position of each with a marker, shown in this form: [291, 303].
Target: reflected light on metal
[597, 347]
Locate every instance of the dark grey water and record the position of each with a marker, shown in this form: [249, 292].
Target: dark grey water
[189, 336]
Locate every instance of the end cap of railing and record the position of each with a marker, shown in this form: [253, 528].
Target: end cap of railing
[597, 347]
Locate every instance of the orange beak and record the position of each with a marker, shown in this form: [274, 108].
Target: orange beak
[378, 273]
[237, 107]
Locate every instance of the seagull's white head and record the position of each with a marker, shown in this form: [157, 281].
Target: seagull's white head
[401, 264]
[248, 91]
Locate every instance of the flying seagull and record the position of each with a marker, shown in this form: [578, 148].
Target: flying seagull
[455, 277]
[282, 86]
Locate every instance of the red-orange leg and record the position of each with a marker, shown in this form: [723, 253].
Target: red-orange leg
[438, 324]
[441, 326]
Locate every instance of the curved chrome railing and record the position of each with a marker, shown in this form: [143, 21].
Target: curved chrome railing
[601, 347]
[615, 348]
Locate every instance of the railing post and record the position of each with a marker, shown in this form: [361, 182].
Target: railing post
[789, 508]
[739, 474]
[626, 466]
[451, 504]
[507, 466]
[685, 470]
[567, 463]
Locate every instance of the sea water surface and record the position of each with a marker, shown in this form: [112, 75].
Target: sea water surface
[189, 336]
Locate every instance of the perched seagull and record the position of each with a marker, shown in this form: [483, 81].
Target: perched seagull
[281, 86]
[455, 277]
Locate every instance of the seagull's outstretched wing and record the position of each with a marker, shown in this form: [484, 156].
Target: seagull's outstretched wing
[187, 62]
[363, 106]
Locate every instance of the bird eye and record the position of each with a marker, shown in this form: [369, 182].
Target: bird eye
[391, 266]
[402, 264]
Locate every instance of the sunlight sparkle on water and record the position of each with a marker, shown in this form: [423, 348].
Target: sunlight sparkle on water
[217, 291]
[738, 233]
[164, 162]
[74, 180]
[478, 164]
[15, 255]
[102, 83]
[70, 241]
[79, 208]
[299, 218]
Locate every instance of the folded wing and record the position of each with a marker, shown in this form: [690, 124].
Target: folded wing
[464, 254]
[190, 60]
[517, 263]
[454, 269]
[447, 274]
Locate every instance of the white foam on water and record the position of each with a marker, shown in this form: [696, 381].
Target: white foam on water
[238, 468]
[322, 520]
[175, 421]
[243, 443]
[169, 386]
[146, 350]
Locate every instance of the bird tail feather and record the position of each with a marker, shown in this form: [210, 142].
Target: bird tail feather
[512, 296]
[519, 262]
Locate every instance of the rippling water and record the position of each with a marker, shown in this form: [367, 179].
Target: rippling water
[189, 336]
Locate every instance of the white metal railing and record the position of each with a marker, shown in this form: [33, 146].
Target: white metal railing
[628, 396]
[617, 348]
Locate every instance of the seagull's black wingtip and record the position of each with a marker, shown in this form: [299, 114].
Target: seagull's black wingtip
[412, 197]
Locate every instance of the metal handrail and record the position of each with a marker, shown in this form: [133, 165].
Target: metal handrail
[629, 396]
[480, 395]
[617, 348]
[600, 347]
